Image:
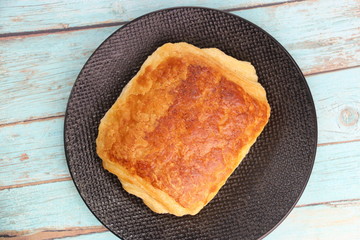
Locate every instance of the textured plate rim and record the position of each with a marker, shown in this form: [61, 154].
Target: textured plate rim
[314, 149]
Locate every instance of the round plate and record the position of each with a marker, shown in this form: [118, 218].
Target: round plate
[268, 182]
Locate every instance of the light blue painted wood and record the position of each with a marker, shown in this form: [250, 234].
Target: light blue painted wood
[32, 152]
[330, 221]
[320, 35]
[55, 205]
[36, 81]
[42, 70]
[337, 102]
[336, 174]
[35, 15]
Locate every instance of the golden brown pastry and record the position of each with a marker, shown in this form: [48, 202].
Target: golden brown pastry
[181, 126]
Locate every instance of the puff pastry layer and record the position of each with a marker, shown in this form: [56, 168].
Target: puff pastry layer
[181, 126]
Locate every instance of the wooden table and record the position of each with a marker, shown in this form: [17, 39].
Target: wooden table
[44, 44]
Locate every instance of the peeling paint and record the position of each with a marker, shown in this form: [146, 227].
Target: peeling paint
[24, 157]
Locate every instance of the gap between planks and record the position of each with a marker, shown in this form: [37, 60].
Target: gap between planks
[332, 203]
[45, 233]
[328, 71]
[35, 183]
[113, 24]
[26, 121]
[340, 142]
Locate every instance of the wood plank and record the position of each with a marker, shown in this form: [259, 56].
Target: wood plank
[337, 102]
[58, 206]
[311, 30]
[37, 80]
[32, 152]
[34, 15]
[54, 205]
[336, 166]
[329, 221]
[43, 68]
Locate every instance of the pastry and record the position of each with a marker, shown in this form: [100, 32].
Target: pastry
[181, 126]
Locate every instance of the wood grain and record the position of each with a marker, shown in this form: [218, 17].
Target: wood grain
[35, 15]
[31, 183]
[42, 75]
[36, 80]
[40, 119]
[337, 102]
[330, 221]
[319, 34]
[335, 176]
[55, 205]
[32, 152]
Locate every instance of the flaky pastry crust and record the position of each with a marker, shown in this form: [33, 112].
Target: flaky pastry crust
[181, 126]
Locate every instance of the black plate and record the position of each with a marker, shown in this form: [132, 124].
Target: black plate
[269, 181]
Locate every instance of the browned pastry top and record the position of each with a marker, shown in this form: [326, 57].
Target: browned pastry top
[183, 132]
